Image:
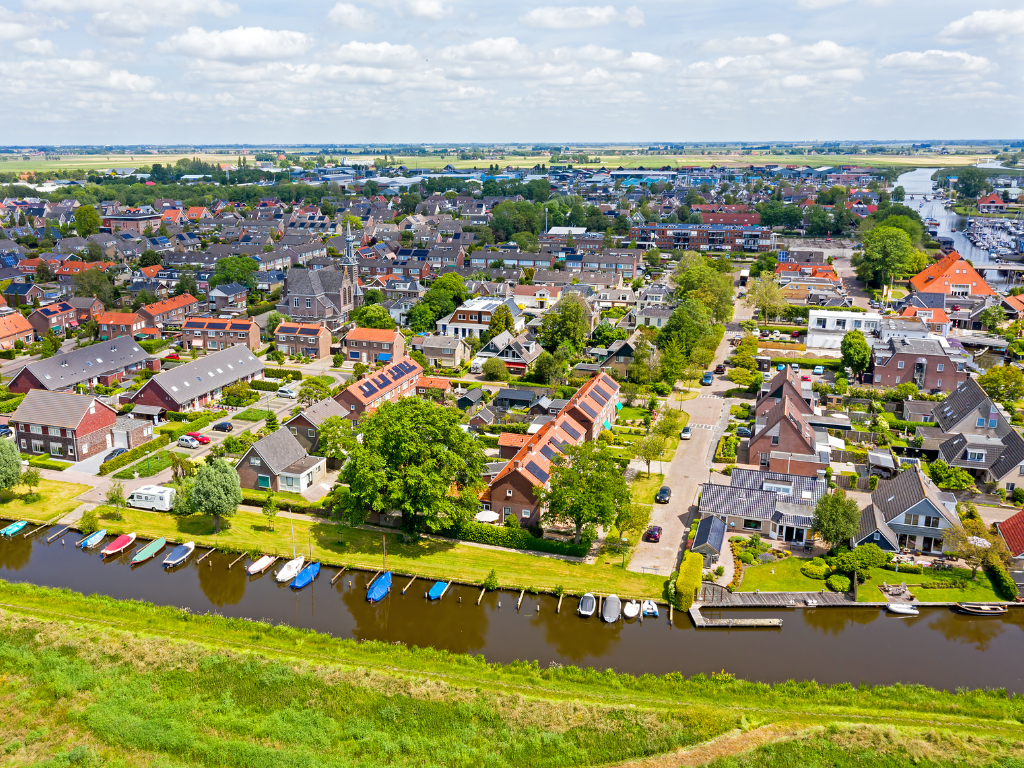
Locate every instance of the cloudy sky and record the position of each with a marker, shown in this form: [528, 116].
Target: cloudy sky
[207, 71]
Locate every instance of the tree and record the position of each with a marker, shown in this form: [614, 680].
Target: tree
[975, 544]
[373, 296]
[856, 352]
[93, 282]
[899, 194]
[702, 281]
[87, 220]
[545, 368]
[587, 488]
[373, 316]
[689, 323]
[274, 319]
[764, 294]
[150, 259]
[971, 183]
[650, 448]
[672, 362]
[50, 344]
[31, 478]
[568, 321]
[992, 316]
[1004, 383]
[415, 458]
[115, 497]
[270, 510]
[644, 367]
[10, 465]
[234, 269]
[633, 519]
[836, 517]
[186, 284]
[887, 251]
[494, 369]
[217, 491]
[43, 274]
[313, 391]
[181, 466]
[502, 320]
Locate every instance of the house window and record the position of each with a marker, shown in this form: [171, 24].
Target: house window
[263, 481]
[254, 461]
[752, 525]
[931, 522]
[309, 303]
[899, 364]
[310, 433]
[294, 430]
[53, 431]
[508, 492]
[980, 423]
[992, 423]
[775, 439]
[526, 513]
[939, 367]
[295, 302]
[35, 429]
[910, 519]
[56, 449]
[975, 455]
[37, 446]
[938, 383]
[71, 451]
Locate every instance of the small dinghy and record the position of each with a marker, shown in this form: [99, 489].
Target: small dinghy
[92, 539]
[610, 609]
[290, 569]
[119, 545]
[631, 610]
[649, 608]
[903, 609]
[981, 609]
[260, 565]
[13, 528]
[149, 551]
[588, 604]
[437, 590]
[380, 588]
[179, 554]
[306, 576]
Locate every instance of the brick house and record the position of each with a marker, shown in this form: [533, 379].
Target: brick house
[930, 363]
[427, 383]
[305, 425]
[22, 294]
[951, 276]
[785, 384]
[103, 364]
[172, 311]
[87, 308]
[278, 462]
[228, 296]
[59, 317]
[393, 382]
[304, 339]
[784, 428]
[442, 351]
[199, 383]
[311, 295]
[370, 345]
[991, 203]
[14, 327]
[114, 324]
[214, 333]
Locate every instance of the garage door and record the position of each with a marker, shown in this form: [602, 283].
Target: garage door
[121, 440]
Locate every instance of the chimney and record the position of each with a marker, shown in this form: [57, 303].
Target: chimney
[821, 474]
[516, 464]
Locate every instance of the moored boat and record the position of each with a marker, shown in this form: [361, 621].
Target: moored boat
[306, 576]
[611, 608]
[631, 609]
[380, 587]
[903, 609]
[649, 608]
[437, 590]
[92, 539]
[13, 528]
[119, 545]
[587, 606]
[149, 551]
[179, 554]
[981, 609]
[260, 565]
[290, 569]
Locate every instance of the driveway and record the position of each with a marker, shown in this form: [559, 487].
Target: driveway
[89, 466]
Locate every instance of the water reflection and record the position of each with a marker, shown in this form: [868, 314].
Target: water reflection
[967, 630]
[16, 552]
[220, 585]
[834, 621]
[573, 637]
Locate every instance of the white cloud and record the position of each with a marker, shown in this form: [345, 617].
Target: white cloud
[213, 7]
[936, 62]
[369, 54]
[1000, 25]
[433, 10]
[36, 46]
[240, 44]
[578, 17]
[351, 16]
[634, 17]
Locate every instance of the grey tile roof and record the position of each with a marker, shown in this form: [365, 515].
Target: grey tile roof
[318, 413]
[895, 496]
[740, 502]
[806, 490]
[278, 450]
[54, 409]
[871, 520]
[206, 374]
[1012, 455]
[710, 534]
[959, 404]
[78, 365]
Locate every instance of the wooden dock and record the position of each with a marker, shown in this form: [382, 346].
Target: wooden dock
[703, 623]
[778, 599]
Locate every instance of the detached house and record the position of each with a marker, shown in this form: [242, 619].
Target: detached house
[14, 327]
[305, 425]
[951, 276]
[278, 462]
[784, 429]
[907, 512]
[372, 345]
[442, 351]
[517, 352]
[228, 296]
[473, 318]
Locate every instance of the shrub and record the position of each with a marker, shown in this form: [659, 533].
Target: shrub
[491, 582]
[89, 523]
[1003, 582]
[154, 345]
[660, 388]
[814, 571]
[260, 309]
[281, 373]
[1018, 495]
[264, 386]
[514, 538]
[746, 558]
[690, 575]
[136, 453]
[10, 405]
[838, 583]
[903, 568]
[872, 482]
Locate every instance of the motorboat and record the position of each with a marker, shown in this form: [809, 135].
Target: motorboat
[380, 588]
[587, 606]
[306, 576]
[611, 608]
[981, 609]
[437, 590]
[260, 565]
[631, 609]
[13, 528]
[119, 545]
[903, 609]
[649, 608]
[149, 551]
[179, 554]
[92, 539]
[290, 569]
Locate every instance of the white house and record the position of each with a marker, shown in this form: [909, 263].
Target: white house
[826, 328]
[474, 317]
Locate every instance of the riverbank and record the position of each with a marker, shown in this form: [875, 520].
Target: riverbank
[106, 679]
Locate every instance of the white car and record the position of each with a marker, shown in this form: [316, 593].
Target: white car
[291, 394]
[686, 434]
[188, 442]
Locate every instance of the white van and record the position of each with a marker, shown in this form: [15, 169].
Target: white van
[477, 366]
[152, 497]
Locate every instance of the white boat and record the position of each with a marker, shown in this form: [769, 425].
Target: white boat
[610, 609]
[631, 609]
[649, 608]
[291, 569]
[903, 609]
[260, 565]
[587, 605]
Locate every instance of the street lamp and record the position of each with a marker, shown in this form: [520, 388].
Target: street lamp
[623, 539]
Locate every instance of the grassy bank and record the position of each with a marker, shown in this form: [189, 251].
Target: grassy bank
[337, 545]
[88, 680]
[980, 590]
[786, 577]
[52, 499]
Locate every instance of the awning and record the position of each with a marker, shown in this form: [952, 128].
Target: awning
[607, 425]
[384, 357]
[618, 406]
[73, 323]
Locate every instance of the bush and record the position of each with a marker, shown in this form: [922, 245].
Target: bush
[746, 558]
[661, 389]
[280, 373]
[491, 582]
[903, 568]
[10, 405]
[154, 345]
[814, 570]
[1003, 582]
[264, 386]
[44, 462]
[872, 482]
[514, 538]
[7, 354]
[838, 583]
[135, 453]
[1018, 495]
[690, 576]
[260, 309]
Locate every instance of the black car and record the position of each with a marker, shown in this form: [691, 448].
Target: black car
[742, 432]
[5, 431]
[720, 369]
[114, 454]
[224, 426]
[653, 533]
[664, 494]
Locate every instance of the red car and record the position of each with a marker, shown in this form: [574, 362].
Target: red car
[172, 357]
[202, 439]
[805, 377]
[653, 533]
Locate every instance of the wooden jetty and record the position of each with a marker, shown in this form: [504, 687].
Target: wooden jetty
[58, 533]
[236, 560]
[409, 584]
[702, 623]
[482, 590]
[338, 574]
[206, 555]
[521, 593]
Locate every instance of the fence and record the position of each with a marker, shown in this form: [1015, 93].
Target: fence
[852, 483]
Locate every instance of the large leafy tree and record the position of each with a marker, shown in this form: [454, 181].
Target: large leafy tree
[216, 491]
[415, 458]
[887, 252]
[87, 220]
[586, 488]
[10, 465]
[836, 517]
[336, 438]
[856, 351]
[566, 322]
[502, 320]
[689, 323]
[711, 287]
[373, 316]
[187, 284]
[313, 391]
[977, 545]
[94, 282]
[764, 294]
[234, 269]
[972, 183]
[1003, 383]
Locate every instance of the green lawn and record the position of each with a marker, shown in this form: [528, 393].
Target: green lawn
[787, 577]
[631, 412]
[253, 414]
[53, 499]
[646, 488]
[979, 591]
[335, 544]
[148, 466]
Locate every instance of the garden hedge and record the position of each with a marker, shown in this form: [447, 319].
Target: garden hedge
[515, 538]
[838, 583]
[829, 364]
[264, 386]
[10, 405]
[254, 498]
[154, 345]
[690, 574]
[280, 373]
[260, 309]
[1003, 582]
[137, 452]
[181, 428]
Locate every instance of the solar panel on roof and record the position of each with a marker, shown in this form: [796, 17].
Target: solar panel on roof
[537, 472]
[570, 430]
[601, 392]
[549, 452]
[599, 397]
[588, 408]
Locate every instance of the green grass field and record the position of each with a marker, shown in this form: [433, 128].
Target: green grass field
[148, 466]
[253, 414]
[53, 499]
[979, 591]
[787, 577]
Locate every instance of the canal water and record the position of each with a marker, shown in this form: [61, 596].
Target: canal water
[939, 648]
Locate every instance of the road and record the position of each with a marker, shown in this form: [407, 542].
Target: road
[13, 367]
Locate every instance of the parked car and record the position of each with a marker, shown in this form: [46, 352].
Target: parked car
[201, 439]
[720, 368]
[794, 366]
[795, 334]
[818, 370]
[664, 494]
[172, 356]
[742, 432]
[805, 377]
[114, 454]
[780, 367]
[767, 376]
[185, 441]
[686, 434]
[706, 379]
[5, 431]
[653, 533]
[224, 426]
[291, 394]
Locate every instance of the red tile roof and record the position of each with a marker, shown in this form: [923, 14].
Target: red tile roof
[991, 199]
[1012, 530]
[937, 315]
[372, 334]
[166, 305]
[434, 382]
[939, 277]
[1014, 301]
[511, 439]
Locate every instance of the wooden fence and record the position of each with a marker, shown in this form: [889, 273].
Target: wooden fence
[852, 483]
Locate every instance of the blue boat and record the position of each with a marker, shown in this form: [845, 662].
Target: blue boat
[13, 528]
[92, 539]
[306, 576]
[380, 588]
[437, 590]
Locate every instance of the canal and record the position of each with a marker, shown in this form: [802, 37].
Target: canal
[939, 648]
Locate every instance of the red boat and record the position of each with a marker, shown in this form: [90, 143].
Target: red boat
[120, 544]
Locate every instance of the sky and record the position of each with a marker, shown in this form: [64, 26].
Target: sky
[389, 71]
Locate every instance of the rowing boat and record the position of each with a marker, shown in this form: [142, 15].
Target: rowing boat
[261, 565]
[149, 551]
[119, 545]
[92, 539]
[306, 576]
[588, 604]
[13, 528]
[610, 609]
[380, 588]
[437, 590]
[981, 609]
[179, 554]
[290, 569]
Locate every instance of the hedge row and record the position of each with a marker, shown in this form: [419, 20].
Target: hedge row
[900, 424]
[829, 364]
[43, 462]
[154, 345]
[260, 309]
[280, 373]
[254, 498]
[10, 405]
[135, 453]
[690, 573]
[1003, 582]
[518, 428]
[7, 354]
[513, 538]
[181, 428]
[264, 386]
